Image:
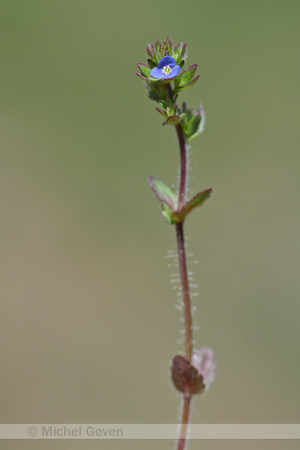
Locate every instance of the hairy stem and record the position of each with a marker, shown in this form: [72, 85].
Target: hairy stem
[184, 282]
[185, 290]
[183, 166]
[184, 276]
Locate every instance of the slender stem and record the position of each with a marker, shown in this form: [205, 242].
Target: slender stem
[185, 290]
[183, 156]
[185, 284]
[184, 276]
[183, 165]
[184, 421]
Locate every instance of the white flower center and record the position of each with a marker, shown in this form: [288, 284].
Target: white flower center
[167, 70]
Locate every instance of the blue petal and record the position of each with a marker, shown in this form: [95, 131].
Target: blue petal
[167, 61]
[174, 72]
[157, 73]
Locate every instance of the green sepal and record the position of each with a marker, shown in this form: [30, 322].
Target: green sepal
[164, 194]
[180, 214]
[185, 77]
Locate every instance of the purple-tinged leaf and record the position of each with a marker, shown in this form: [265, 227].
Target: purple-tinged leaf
[163, 193]
[141, 76]
[161, 112]
[185, 77]
[156, 58]
[149, 51]
[145, 70]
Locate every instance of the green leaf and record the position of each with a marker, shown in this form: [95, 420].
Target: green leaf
[196, 124]
[156, 57]
[185, 77]
[149, 50]
[192, 125]
[156, 91]
[145, 70]
[141, 76]
[161, 112]
[193, 121]
[197, 200]
[182, 51]
[168, 44]
[164, 194]
[167, 213]
[151, 63]
[176, 52]
[187, 85]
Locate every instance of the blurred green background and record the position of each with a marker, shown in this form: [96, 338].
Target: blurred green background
[88, 317]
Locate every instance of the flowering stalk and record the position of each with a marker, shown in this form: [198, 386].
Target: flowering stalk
[194, 372]
[187, 399]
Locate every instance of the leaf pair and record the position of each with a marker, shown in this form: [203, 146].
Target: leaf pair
[169, 202]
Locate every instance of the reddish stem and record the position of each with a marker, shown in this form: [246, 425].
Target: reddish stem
[184, 422]
[183, 165]
[184, 277]
[185, 290]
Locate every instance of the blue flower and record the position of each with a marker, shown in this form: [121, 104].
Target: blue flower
[166, 69]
